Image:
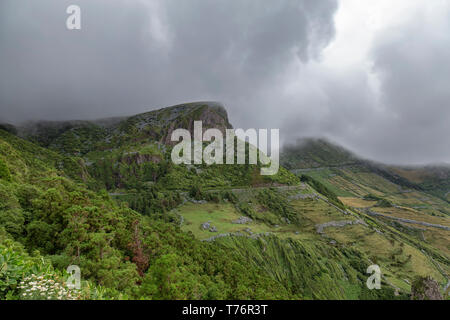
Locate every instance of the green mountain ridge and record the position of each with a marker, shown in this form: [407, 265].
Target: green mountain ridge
[104, 195]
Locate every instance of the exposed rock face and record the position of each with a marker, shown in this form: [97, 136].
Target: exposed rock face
[209, 227]
[206, 225]
[425, 289]
[86, 136]
[337, 224]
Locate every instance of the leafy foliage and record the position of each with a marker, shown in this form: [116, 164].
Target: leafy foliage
[321, 188]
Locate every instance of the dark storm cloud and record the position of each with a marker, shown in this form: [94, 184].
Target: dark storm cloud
[132, 56]
[262, 59]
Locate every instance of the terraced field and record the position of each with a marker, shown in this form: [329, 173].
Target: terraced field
[222, 216]
[397, 252]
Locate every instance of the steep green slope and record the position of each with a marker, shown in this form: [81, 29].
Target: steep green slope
[22, 155]
[105, 196]
[81, 137]
[398, 201]
[114, 246]
[397, 249]
[310, 268]
[134, 153]
[432, 179]
[315, 153]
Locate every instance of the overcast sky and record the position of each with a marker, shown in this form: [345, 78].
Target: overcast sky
[373, 76]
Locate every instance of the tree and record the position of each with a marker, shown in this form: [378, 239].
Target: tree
[4, 171]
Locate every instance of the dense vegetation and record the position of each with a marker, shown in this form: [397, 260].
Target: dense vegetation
[322, 189]
[106, 197]
[115, 247]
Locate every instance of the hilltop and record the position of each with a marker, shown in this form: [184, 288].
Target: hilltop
[105, 195]
[81, 137]
[309, 153]
[312, 154]
[434, 179]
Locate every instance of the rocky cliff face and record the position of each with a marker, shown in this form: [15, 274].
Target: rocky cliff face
[310, 153]
[425, 289]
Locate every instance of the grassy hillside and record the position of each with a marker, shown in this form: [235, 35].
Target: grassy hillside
[105, 196]
[432, 179]
[123, 254]
[310, 153]
[400, 205]
[115, 247]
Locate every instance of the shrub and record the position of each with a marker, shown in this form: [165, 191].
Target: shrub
[322, 189]
[4, 171]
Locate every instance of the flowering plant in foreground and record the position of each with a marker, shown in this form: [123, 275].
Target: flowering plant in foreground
[45, 287]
